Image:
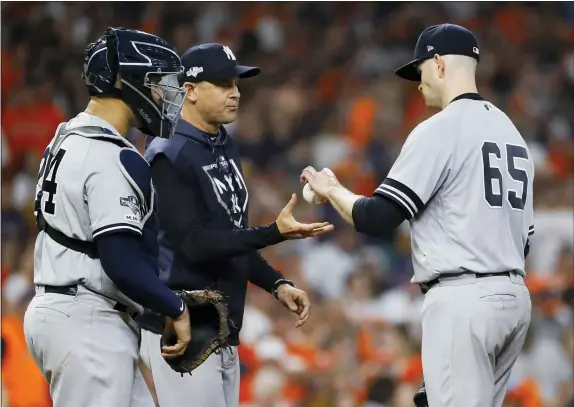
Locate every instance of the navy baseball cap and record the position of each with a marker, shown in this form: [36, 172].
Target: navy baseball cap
[443, 39]
[212, 62]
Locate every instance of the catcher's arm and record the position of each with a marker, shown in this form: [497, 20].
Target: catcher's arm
[120, 254]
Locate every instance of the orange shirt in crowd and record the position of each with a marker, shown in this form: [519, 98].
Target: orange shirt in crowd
[25, 384]
[361, 121]
[526, 394]
[367, 350]
[413, 371]
[511, 21]
[248, 357]
[30, 127]
[561, 163]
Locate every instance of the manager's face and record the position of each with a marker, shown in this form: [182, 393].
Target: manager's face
[216, 101]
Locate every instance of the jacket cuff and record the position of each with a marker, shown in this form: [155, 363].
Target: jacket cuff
[273, 234]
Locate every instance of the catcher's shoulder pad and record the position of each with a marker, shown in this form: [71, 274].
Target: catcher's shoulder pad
[136, 169]
[137, 172]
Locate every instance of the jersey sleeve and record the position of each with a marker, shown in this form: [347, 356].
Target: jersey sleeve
[418, 172]
[113, 203]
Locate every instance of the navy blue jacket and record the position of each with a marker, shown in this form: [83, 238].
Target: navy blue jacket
[204, 238]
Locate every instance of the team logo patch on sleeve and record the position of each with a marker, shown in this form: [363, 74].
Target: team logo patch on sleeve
[132, 203]
[132, 218]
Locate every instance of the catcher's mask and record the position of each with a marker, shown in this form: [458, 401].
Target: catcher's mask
[147, 67]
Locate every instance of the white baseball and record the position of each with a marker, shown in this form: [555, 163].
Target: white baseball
[311, 196]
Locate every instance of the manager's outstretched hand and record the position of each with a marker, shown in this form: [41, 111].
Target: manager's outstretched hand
[290, 228]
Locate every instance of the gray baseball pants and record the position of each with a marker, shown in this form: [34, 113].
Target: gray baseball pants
[87, 351]
[213, 384]
[473, 330]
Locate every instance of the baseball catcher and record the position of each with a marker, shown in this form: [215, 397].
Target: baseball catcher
[95, 211]
[205, 306]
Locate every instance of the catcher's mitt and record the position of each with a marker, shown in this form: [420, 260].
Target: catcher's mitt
[420, 397]
[209, 329]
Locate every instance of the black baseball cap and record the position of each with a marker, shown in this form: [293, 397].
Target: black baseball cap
[212, 62]
[443, 39]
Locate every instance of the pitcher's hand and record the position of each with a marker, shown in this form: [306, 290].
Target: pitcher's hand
[321, 181]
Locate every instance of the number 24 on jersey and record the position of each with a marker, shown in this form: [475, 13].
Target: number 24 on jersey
[50, 165]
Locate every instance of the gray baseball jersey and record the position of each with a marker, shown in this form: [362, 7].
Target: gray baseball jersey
[464, 177]
[86, 193]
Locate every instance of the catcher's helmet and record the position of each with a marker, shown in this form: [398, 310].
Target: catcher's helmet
[147, 66]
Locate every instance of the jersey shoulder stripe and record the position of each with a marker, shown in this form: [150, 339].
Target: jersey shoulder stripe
[402, 195]
[116, 227]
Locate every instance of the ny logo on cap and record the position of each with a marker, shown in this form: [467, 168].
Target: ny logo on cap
[475, 50]
[429, 48]
[228, 52]
[194, 71]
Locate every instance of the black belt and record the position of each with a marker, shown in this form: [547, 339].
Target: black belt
[429, 284]
[73, 290]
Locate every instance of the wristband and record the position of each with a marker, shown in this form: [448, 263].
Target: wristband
[279, 283]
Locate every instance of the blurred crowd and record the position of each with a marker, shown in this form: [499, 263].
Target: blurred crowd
[327, 97]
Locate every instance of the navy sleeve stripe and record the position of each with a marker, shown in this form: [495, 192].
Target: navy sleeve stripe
[397, 198]
[418, 203]
[531, 227]
[530, 232]
[116, 227]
